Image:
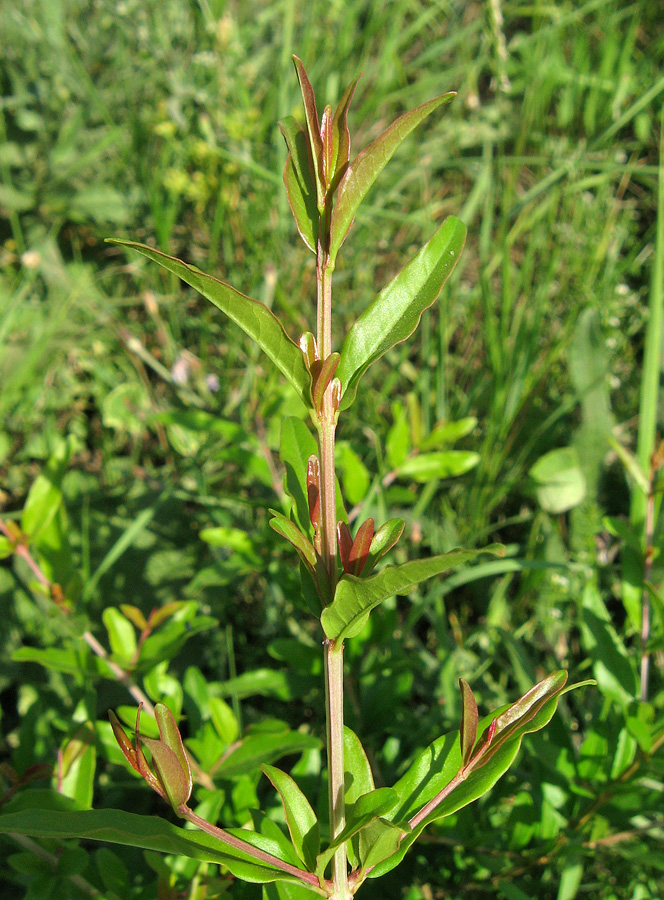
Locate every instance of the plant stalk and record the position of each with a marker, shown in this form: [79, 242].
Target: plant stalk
[334, 660]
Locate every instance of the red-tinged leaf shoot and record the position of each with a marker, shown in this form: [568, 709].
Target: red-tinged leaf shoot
[480, 752]
[341, 136]
[175, 784]
[345, 544]
[360, 549]
[309, 349]
[336, 395]
[469, 720]
[313, 497]
[326, 140]
[327, 370]
[125, 744]
[171, 737]
[313, 129]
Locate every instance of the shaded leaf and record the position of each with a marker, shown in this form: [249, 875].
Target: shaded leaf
[469, 720]
[395, 313]
[425, 467]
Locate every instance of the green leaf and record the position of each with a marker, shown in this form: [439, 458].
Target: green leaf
[297, 445]
[6, 547]
[384, 539]
[378, 841]
[169, 772]
[223, 719]
[360, 815]
[367, 166]
[121, 634]
[146, 832]
[425, 467]
[469, 720]
[292, 533]
[261, 748]
[78, 764]
[170, 736]
[45, 496]
[356, 597]
[438, 765]
[358, 775]
[300, 182]
[447, 433]
[355, 476]
[300, 817]
[560, 482]
[253, 317]
[395, 313]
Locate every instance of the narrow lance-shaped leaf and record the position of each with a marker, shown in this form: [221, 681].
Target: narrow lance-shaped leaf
[147, 832]
[356, 597]
[469, 720]
[395, 313]
[300, 182]
[341, 135]
[360, 549]
[439, 768]
[313, 128]
[367, 165]
[253, 317]
[292, 533]
[300, 817]
[171, 737]
[384, 539]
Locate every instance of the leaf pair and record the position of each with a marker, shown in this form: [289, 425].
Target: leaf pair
[171, 778]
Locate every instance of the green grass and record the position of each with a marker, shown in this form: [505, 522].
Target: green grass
[156, 121]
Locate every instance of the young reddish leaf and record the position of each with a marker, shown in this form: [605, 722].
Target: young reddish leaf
[313, 129]
[360, 549]
[345, 544]
[300, 182]
[134, 614]
[469, 720]
[326, 138]
[125, 744]
[253, 317]
[292, 533]
[395, 313]
[323, 378]
[313, 491]
[157, 616]
[170, 774]
[309, 349]
[336, 394]
[341, 135]
[367, 165]
[383, 541]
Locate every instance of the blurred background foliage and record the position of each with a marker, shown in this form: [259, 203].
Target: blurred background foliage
[156, 121]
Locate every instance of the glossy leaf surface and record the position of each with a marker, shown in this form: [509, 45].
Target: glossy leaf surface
[146, 832]
[395, 313]
[253, 317]
[300, 817]
[356, 597]
[300, 182]
[367, 166]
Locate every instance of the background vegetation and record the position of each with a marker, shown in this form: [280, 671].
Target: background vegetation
[158, 426]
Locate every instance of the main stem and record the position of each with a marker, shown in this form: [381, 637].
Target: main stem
[334, 658]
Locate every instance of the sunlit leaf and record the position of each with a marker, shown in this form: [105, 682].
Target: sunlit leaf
[356, 597]
[395, 313]
[253, 317]
[367, 166]
[300, 817]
